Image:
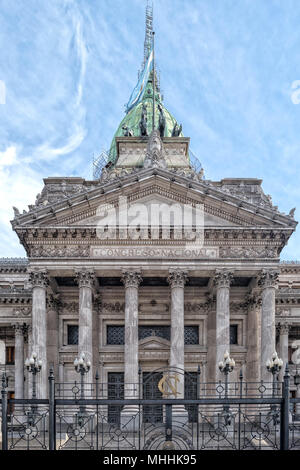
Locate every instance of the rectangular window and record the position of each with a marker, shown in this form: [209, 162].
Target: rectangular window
[10, 355]
[233, 334]
[161, 331]
[191, 335]
[73, 334]
[115, 334]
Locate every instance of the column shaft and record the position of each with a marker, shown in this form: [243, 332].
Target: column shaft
[85, 341]
[39, 283]
[267, 282]
[222, 282]
[131, 280]
[19, 361]
[283, 347]
[253, 339]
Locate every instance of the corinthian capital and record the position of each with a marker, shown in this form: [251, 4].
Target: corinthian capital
[131, 278]
[253, 301]
[20, 328]
[223, 278]
[177, 278]
[38, 278]
[283, 328]
[268, 278]
[85, 278]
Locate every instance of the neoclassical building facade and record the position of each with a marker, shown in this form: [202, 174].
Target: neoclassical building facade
[150, 298]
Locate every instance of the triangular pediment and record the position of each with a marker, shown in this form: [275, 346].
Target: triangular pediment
[220, 210]
[154, 342]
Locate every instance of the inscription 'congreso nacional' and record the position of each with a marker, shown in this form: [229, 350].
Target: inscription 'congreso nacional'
[145, 252]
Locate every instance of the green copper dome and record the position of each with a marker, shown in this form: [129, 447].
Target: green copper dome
[133, 117]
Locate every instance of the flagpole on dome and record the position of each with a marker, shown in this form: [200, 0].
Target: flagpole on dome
[154, 85]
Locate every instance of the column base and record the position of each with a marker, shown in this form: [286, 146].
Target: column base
[130, 419]
[180, 415]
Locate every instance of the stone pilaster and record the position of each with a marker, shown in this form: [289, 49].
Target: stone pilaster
[283, 351]
[131, 281]
[177, 280]
[222, 281]
[86, 280]
[253, 302]
[267, 281]
[39, 282]
[19, 360]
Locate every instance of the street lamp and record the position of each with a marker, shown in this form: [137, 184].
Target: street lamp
[274, 366]
[226, 366]
[33, 366]
[82, 367]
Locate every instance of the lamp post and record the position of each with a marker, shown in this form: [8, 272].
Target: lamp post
[33, 365]
[274, 366]
[82, 367]
[226, 366]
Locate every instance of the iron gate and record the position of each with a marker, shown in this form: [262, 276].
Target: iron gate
[248, 416]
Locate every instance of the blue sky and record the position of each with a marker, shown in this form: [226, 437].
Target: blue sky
[227, 70]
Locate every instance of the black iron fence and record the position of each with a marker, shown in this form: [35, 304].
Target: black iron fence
[221, 416]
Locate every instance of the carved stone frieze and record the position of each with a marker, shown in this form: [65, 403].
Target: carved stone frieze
[59, 251]
[22, 312]
[197, 307]
[248, 252]
[70, 307]
[113, 307]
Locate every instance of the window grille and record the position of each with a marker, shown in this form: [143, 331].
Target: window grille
[115, 334]
[162, 331]
[72, 334]
[191, 335]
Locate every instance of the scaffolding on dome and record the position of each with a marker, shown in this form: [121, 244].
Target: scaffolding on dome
[99, 163]
[102, 160]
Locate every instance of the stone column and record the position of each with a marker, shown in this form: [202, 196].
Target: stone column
[283, 352]
[222, 281]
[267, 282]
[52, 333]
[39, 282]
[19, 360]
[177, 280]
[86, 280]
[131, 281]
[253, 338]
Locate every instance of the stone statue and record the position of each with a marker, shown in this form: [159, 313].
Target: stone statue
[176, 130]
[16, 211]
[143, 121]
[292, 212]
[127, 132]
[161, 122]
